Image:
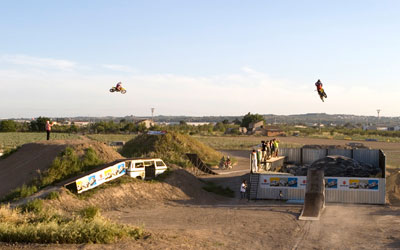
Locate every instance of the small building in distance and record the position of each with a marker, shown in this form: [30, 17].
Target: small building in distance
[255, 126]
[147, 123]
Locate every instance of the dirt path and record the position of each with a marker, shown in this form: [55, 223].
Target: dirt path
[352, 227]
[232, 178]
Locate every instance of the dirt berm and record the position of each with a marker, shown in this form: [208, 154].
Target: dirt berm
[179, 187]
[32, 159]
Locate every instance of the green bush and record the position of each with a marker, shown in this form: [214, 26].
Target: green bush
[49, 227]
[53, 195]
[90, 212]
[35, 206]
[171, 147]
[69, 164]
[21, 192]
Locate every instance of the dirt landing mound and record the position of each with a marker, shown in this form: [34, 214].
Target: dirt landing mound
[180, 186]
[34, 158]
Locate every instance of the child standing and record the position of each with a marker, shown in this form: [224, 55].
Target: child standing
[243, 188]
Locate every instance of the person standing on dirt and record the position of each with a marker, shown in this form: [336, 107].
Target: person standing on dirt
[48, 129]
[243, 188]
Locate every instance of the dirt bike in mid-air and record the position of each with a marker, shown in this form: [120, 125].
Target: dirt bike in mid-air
[322, 94]
[114, 89]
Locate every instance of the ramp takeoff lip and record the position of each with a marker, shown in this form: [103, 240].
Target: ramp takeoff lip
[314, 200]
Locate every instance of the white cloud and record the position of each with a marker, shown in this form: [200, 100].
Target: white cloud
[32, 93]
[117, 67]
[38, 62]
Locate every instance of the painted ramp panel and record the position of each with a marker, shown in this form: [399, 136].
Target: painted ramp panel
[314, 200]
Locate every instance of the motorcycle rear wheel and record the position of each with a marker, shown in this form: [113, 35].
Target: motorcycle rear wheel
[123, 91]
[112, 90]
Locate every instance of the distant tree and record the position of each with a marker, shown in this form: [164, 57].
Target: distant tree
[225, 121]
[39, 124]
[182, 123]
[237, 121]
[8, 126]
[249, 118]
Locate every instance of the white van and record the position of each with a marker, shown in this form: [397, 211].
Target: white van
[142, 168]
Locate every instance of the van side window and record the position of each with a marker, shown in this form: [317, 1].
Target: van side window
[139, 165]
[160, 164]
[149, 163]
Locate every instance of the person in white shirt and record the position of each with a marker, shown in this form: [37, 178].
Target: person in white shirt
[243, 188]
[254, 167]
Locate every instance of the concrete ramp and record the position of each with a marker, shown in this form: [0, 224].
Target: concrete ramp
[314, 200]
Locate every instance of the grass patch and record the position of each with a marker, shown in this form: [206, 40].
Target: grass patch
[217, 189]
[238, 142]
[53, 195]
[171, 147]
[20, 192]
[47, 226]
[108, 138]
[35, 206]
[90, 212]
[9, 152]
[15, 139]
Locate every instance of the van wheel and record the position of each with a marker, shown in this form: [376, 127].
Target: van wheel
[139, 177]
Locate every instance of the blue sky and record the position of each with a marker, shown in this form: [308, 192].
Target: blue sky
[198, 57]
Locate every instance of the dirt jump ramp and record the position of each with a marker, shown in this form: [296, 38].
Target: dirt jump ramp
[314, 200]
[198, 163]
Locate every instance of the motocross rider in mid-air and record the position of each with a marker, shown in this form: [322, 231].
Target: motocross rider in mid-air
[119, 86]
[320, 90]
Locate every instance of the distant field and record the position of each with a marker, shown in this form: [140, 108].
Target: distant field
[107, 138]
[15, 139]
[239, 142]
[326, 135]
[391, 149]
[12, 140]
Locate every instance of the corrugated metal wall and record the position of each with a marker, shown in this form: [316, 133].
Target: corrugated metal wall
[309, 155]
[265, 191]
[273, 193]
[342, 152]
[292, 154]
[370, 156]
